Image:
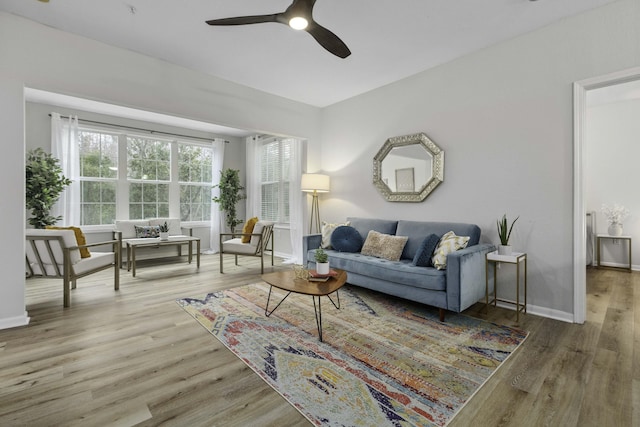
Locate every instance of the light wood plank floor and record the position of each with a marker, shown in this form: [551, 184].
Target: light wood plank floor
[134, 357]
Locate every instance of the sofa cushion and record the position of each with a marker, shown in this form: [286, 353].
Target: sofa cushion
[364, 225]
[384, 245]
[327, 231]
[127, 227]
[346, 239]
[425, 251]
[448, 243]
[418, 230]
[147, 231]
[80, 238]
[248, 229]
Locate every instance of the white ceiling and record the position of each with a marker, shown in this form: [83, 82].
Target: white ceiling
[389, 39]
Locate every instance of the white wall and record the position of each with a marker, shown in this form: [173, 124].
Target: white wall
[612, 152]
[36, 56]
[503, 116]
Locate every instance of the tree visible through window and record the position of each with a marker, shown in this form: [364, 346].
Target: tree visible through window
[155, 170]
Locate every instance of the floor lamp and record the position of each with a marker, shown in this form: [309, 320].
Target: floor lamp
[315, 183]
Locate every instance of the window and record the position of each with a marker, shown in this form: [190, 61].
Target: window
[98, 152]
[162, 178]
[275, 157]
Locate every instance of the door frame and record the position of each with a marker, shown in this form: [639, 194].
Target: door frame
[580, 89]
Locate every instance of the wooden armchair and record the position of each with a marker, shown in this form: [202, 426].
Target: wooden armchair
[261, 237]
[56, 254]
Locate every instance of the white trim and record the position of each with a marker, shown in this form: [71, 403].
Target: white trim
[14, 322]
[539, 311]
[580, 89]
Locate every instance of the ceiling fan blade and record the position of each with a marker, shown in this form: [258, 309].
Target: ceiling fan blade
[328, 40]
[243, 20]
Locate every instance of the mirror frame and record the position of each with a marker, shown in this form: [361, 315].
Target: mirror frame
[437, 167]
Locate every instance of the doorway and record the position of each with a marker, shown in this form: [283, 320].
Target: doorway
[580, 90]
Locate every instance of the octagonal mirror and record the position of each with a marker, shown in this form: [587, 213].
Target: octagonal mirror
[408, 168]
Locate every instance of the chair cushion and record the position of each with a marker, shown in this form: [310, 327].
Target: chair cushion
[425, 251]
[257, 229]
[68, 240]
[248, 229]
[448, 243]
[80, 238]
[346, 239]
[236, 246]
[99, 259]
[384, 246]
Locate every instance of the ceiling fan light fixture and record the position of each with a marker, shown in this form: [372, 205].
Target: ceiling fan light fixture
[298, 23]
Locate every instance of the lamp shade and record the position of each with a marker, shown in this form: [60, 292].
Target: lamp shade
[315, 182]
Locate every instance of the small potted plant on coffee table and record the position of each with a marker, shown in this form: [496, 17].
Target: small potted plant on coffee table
[322, 261]
[164, 231]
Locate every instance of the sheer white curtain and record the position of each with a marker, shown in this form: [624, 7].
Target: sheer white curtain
[216, 217]
[64, 147]
[253, 185]
[296, 220]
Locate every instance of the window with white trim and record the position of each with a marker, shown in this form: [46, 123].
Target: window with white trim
[275, 159]
[162, 177]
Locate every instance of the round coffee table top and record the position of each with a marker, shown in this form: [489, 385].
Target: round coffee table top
[286, 280]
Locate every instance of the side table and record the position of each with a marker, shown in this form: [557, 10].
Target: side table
[599, 238]
[516, 258]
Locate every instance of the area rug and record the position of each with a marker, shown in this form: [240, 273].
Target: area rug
[383, 361]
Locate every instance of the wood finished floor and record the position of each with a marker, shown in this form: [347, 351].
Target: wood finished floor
[134, 357]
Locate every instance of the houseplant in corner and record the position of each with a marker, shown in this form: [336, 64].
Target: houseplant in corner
[504, 233]
[44, 184]
[322, 261]
[230, 195]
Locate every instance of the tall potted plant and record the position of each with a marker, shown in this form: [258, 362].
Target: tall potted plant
[44, 184]
[230, 195]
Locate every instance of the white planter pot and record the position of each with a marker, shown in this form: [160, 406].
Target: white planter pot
[504, 250]
[322, 267]
[164, 235]
[615, 230]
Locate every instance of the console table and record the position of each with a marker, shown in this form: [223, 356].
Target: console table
[515, 258]
[599, 239]
[132, 244]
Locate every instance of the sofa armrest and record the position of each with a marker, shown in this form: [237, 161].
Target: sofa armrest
[466, 276]
[310, 241]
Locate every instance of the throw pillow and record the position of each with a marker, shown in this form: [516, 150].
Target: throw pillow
[346, 239]
[327, 230]
[80, 239]
[425, 251]
[248, 229]
[448, 243]
[147, 231]
[384, 245]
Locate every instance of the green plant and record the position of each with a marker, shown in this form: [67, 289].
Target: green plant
[230, 195]
[44, 184]
[164, 228]
[321, 256]
[503, 226]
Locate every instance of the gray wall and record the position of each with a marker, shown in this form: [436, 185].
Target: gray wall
[504, 117]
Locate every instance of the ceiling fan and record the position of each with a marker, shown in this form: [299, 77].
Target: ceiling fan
[299, 16]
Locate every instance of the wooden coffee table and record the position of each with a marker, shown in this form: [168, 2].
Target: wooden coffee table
[287, 281]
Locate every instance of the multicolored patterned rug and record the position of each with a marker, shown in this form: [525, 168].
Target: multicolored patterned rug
[384, 361]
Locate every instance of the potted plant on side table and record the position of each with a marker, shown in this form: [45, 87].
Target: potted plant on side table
[322, 261]
[504, 233]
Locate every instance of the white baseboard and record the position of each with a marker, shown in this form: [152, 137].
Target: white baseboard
[14, 322]
[541, 311]
[618, 265]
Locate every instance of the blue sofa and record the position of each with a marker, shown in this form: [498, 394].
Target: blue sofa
[456, 288]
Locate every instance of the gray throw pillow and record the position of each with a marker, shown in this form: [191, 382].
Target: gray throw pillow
[425, 251]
